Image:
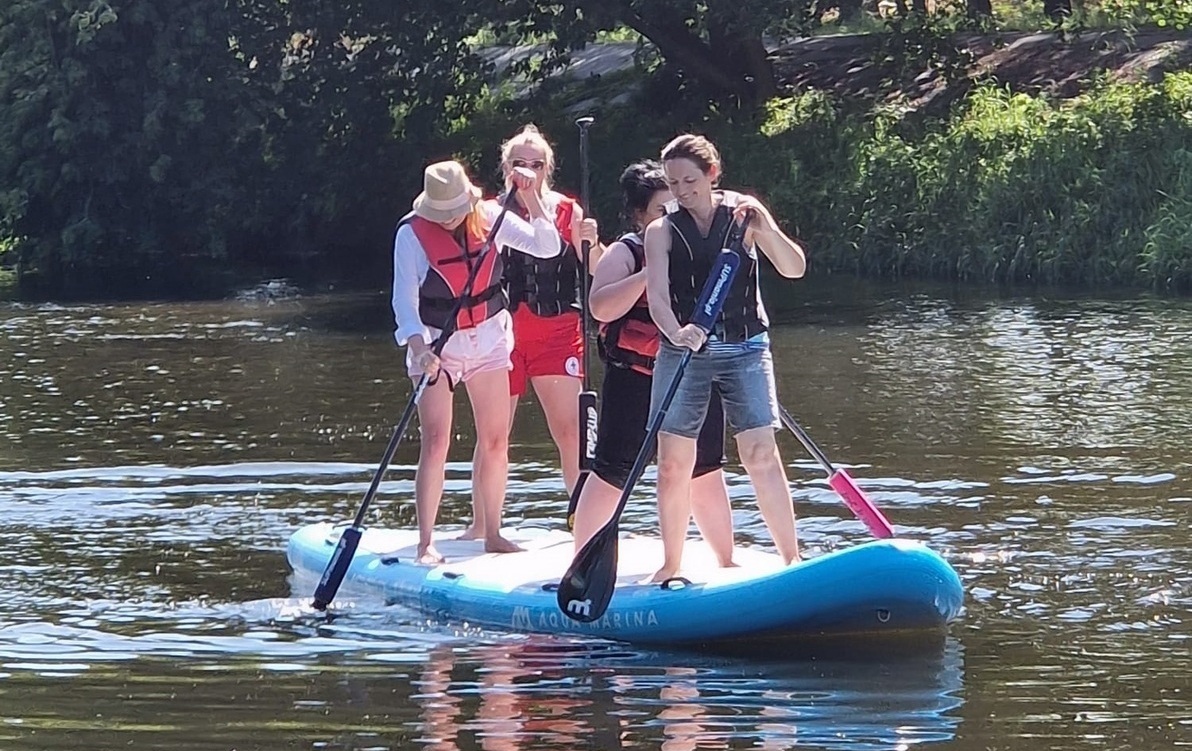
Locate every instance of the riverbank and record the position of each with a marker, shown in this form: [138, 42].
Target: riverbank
[1010, 159]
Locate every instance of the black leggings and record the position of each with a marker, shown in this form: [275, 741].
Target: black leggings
[624, 418]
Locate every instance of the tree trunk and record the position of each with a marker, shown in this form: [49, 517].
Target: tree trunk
[734, 67]
[850, 10]
[980, 8]
[1057, 10]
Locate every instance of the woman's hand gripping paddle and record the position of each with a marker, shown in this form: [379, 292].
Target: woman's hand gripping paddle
[341, 559]
[587, 397]
[840, 481]
[587, 587]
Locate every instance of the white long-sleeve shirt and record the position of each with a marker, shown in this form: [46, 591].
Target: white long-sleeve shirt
[410, 267]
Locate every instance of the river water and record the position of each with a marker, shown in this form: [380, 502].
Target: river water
[154, 459]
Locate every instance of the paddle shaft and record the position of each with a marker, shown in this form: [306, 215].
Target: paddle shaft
[587, 398]
[841, 482]
[337, 567]
[586, 247]
[588, 414]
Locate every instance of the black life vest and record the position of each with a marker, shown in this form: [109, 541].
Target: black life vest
[690, 261]
[547, 286]
[631, 341]
[450, 265]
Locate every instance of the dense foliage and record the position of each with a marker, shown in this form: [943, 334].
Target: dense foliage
[161, 147]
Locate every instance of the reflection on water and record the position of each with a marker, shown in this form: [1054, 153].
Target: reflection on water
[154, 459]
[547, 695]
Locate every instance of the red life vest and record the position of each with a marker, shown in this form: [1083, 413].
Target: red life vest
[450, 266]
[631, 341]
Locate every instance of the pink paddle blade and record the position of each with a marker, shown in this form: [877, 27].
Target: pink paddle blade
[861, 506]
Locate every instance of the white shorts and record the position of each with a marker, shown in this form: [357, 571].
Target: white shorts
[471, 351]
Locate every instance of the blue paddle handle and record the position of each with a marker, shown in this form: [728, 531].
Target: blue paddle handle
[716, 289]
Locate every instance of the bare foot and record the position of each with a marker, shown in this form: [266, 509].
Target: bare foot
[472, 533]
[730, 563]
[428, 556]
[499, 544]
[662, 575]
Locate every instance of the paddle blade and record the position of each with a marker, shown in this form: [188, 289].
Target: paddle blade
[337, 568]
[860, 505]
[587, 587]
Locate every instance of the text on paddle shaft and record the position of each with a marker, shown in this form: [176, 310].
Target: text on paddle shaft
[726, 271]
[544, 619]
[590, 424]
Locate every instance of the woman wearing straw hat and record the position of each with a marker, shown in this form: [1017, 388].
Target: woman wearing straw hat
[435, 250]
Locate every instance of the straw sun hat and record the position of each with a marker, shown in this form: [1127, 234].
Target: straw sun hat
[447, 193]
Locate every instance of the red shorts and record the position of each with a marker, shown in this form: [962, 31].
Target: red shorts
[545, 347]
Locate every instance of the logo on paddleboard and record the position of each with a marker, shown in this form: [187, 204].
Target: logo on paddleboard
[581, 608]
[572, 366]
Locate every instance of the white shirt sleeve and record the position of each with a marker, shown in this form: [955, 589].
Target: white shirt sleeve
[410, 267]
[538, 238]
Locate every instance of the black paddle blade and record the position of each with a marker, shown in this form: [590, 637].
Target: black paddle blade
[337, 568]
[587, 587]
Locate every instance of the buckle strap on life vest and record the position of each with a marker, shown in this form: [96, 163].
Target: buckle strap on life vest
[447, 305]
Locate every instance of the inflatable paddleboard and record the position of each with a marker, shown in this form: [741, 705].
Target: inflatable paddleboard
[884, 586]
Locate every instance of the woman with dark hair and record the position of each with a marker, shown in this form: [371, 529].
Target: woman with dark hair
[628, 345]
[681, 248]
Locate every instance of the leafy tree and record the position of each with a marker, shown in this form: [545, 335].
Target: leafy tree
[719, 43]
[111, 115]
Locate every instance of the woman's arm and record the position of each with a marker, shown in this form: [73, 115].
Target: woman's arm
[585, 228]
[537, 238]
[787, 256]
[615, 286]
[409, 270]
[658, 246]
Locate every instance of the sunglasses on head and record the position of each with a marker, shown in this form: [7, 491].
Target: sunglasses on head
[536, 164]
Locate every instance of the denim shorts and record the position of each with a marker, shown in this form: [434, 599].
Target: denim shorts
[744, 375]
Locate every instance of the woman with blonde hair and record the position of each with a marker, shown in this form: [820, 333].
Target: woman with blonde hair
[544, 295]
[436, 250]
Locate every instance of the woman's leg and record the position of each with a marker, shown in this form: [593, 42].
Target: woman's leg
[759, 454]
[709, 496]
[624, 409]
[713, 515]
[559, 396]
[475, 530]
[434, 421]
[488, 391]
[597, 501]
[676, 459]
